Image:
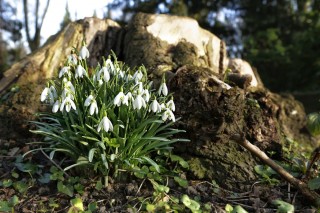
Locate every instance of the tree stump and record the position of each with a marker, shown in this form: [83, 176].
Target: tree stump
[194, 61]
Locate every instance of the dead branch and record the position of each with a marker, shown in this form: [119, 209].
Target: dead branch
[312, 196]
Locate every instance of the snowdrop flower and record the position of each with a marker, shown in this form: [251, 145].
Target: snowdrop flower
[44, 94]
[84, 53]
[106, 124]
[137, 76]
[68, 103]
[72, 59]
[69, 86]
[170, 105]
[168, 114]
[139, 102]
[90, 101]
[128, 78]
[106, 74]
[49, 93]
[80, 71]
[120, 99]
[53, 92]
[63, 71]
[163, 89]
[110, 66]
[93, 108]
[163, 106]
[56, 106]
[155, 106]
[129, 96]
[146, 95]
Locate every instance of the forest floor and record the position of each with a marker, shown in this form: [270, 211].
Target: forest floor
[34, 184]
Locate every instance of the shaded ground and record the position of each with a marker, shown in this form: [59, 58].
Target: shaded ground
[40, 194]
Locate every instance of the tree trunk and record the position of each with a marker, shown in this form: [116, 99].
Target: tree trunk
[194, 61]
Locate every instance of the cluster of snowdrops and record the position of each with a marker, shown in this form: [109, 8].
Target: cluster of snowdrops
[109, 118]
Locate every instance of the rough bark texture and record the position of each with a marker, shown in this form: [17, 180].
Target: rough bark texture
[194, 60]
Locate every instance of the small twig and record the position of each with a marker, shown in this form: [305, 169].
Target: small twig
[53, 162]
[140, 186]
[312, 196]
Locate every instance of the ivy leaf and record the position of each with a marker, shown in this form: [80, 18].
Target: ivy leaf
[283, 207]
[65, 189]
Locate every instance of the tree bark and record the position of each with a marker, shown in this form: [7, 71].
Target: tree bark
[194, 61]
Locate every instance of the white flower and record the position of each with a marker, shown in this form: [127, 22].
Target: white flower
[168, 114]
[56, 106]
[63, 71]
[155, 106]
[139, 102]
[44, 94]
[163, 89]
[68, 103]
[93, 108]
[170, 105]
[128, 78]
[106, 124]
[129, 96]
[80, 71]
[53, 92]
[137, 76]
[90, 101]
[106, 74]
[49, 94]
[110, 66]
[120, 99]
[84, 53]
[146, 95]
[72, 59]
[69, 87]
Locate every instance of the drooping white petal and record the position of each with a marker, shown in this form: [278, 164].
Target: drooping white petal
[110, 66]
[84, 52]
[138, 76]
[168, 114]
[87, 102]
[53, 91]
[139, 102]
[93, 108]
[70, 87]
[80, 71]
[56, 106]
[44, 94]
[163, 89]
[63, 71]
[155, 106]
[125, 100]
[72, 59]
[68, 104]
[146, 95]
[117, 100]
[171, 105]
[62, 104]
[106, 75]
[129, 96]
